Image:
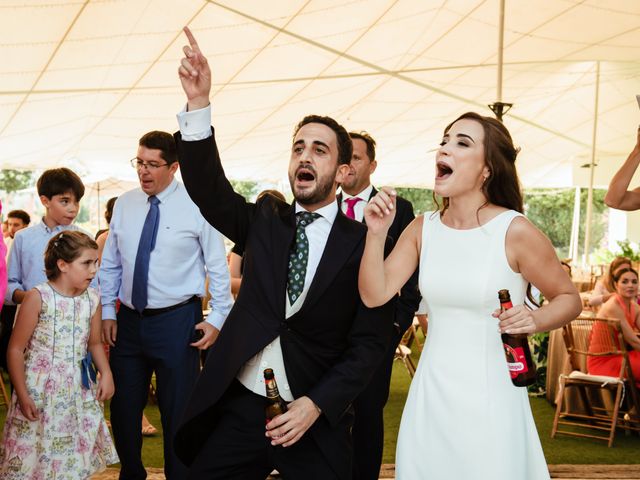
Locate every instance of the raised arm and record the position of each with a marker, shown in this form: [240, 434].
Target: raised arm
[381, 279]
[195, 74]
[530, 252]
[202, 171]
[619, 196]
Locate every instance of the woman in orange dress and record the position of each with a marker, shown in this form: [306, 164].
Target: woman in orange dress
[622, 306]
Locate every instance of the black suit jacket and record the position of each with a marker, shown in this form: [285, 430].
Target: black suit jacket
[409, 299]
[331, 347]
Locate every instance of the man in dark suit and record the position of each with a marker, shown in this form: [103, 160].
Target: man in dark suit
[368, 428]
[298, 310]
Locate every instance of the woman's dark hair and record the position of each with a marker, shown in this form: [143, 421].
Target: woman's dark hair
[615, 264]
[621, 272]
[67, 246]
[502, 187]
[273, 193]
[108, 211]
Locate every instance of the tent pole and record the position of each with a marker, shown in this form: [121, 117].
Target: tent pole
[500, 52]
[575, 228]
[98, 190]
[498, 107]
[587, 228]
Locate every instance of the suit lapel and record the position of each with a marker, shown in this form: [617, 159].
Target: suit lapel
[373, 194]
[343, 239]
[282, 238]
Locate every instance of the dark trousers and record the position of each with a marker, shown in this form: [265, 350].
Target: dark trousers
[145, 344]
[368, 427]
[7, 317]
[238, 449]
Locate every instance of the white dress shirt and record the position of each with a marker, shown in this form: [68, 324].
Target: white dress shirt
[358, 208]
[251, 375]
[196, 125]
[186, 249]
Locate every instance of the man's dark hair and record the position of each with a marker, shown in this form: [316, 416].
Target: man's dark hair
[345, 148]
[57, 181]
[162, 141]
[21, 214]
[368, 139]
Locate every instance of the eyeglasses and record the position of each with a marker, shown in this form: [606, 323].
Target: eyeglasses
[139, 164]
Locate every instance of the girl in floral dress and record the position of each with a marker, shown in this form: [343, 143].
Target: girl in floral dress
[55, 428]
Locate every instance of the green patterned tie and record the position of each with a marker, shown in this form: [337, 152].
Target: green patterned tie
[299, 256]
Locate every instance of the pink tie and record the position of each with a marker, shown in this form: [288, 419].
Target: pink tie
[351, 203]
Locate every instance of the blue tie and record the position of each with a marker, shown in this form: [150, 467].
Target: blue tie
[145, 247]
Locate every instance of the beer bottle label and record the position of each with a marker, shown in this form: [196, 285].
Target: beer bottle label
[516, 361]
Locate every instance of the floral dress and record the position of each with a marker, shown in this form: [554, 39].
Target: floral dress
[70, 439]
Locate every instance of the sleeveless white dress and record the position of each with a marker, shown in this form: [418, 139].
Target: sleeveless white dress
[463, 418]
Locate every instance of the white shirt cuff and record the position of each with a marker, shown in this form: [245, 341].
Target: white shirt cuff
[216, 319]
[196, 124]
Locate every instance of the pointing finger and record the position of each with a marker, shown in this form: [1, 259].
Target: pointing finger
[192, 40]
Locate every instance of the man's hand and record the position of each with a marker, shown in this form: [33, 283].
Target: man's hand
[209, 338]
[288, 428]
[109, 331]
[194, 74]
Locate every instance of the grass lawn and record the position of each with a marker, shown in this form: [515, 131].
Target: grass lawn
[561, 450]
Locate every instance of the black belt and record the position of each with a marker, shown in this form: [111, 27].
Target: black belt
[149, 312]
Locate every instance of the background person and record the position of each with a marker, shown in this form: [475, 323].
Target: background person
[621, 305]
[368, 427]
[155, 260]
[604, 287]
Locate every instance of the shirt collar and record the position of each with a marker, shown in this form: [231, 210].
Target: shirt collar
[57, 228]
[164, 194]
[364, 194]
[328, 212]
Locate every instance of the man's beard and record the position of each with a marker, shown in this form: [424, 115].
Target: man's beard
[324, 188]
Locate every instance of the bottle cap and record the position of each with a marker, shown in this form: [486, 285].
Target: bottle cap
[268, 373]
[503, 296]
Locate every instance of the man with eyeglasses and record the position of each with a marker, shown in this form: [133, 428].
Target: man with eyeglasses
[155, 260]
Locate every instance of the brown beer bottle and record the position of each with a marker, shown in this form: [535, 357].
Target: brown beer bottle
[516, 349]
[275, 404]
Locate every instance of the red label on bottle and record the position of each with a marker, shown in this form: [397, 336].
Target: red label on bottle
[516, 360]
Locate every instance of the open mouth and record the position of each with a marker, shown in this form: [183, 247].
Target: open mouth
[305, 174]
[443, 170]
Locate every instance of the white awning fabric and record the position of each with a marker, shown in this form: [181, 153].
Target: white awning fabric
[81, 81]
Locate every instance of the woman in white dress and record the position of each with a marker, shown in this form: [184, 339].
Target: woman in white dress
[463, 418]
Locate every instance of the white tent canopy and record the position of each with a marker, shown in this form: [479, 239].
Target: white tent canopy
[81, 81]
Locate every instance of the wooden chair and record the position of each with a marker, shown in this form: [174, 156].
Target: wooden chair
[4, 397]
[403, 350]
[599, 421]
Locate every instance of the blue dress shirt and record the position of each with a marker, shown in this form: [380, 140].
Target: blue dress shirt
[186, 249]
[26, 257]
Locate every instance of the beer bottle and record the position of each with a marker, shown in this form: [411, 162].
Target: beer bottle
[275, 405]
[516, 349]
